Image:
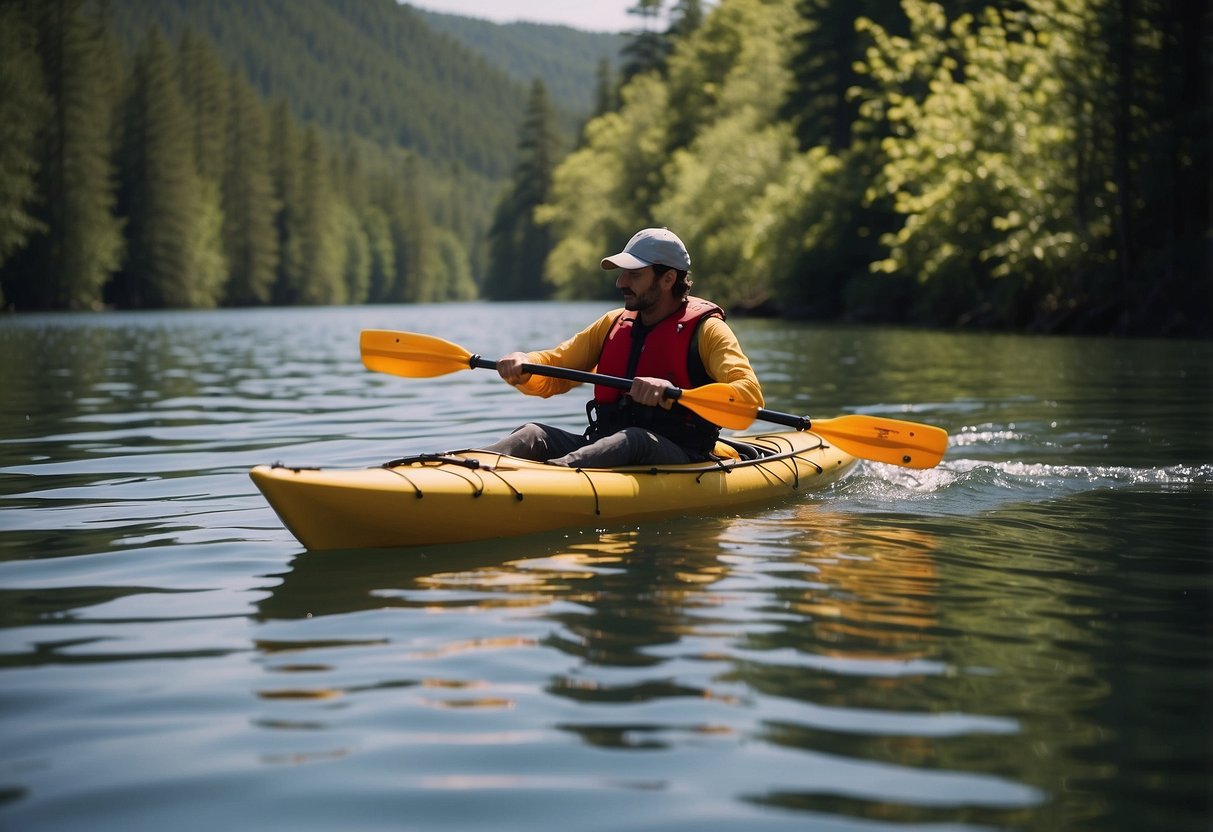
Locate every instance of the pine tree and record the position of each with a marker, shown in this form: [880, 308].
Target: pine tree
[287, 174]
[382, 252]
[66, 264]
[606, 93]
[818, 105]
[173, 215]
[648, 48]
[205, 88]
[519, 246]
[249, 205]
[24, 106]
[321, 279]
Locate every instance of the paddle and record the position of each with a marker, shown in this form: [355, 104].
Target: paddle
[880, 439]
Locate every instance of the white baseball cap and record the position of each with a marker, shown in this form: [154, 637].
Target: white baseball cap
[648, 247]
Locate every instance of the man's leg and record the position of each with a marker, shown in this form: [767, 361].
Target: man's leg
[539, 442]
[630, 446]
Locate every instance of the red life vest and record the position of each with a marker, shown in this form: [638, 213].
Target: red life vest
[665, 354]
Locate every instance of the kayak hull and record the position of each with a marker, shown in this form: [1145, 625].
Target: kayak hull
[466, 496]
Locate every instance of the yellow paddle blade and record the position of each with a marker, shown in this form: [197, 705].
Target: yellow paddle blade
[411, 355]
[892, 441]
[719, 404]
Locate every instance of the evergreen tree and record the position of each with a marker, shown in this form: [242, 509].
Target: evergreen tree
[686, 17]
[382, 253]
[321, 280]
[67, 262]
[606, 95]
[287, 173]
[356, 255]
[647, 48]
[827, 50]
[414, 280]
[519, 246]
[173, 215]
[24, 105]
[204, 85]
[250, 239]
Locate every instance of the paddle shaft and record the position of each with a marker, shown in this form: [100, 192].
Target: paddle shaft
[565, 373]
[618, 382]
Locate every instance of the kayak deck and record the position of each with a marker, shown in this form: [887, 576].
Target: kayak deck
[470, 495]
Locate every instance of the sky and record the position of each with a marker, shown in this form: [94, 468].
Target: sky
[592, 15]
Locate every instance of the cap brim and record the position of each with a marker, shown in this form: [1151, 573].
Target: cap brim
[623, 260]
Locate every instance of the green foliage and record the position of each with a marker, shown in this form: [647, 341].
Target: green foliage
[24, 106]
[686, 152]
[1039, 163]
[603, 192]
[519, 245]
[736, 63]
[318, 279]
[560, 57]
[250, 238]
[174, 220]
[366, 67]
[78, 245]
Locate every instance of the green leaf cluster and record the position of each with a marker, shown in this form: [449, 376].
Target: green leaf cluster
[1039, 164]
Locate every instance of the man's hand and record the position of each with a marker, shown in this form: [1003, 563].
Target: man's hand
[651, 391]
[509, 367]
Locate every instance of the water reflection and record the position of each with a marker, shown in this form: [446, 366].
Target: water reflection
[818, 640]
[1017, 639]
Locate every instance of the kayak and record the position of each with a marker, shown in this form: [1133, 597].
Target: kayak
[469, 495]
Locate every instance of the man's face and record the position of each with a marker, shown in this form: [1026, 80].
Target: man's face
[641, 288]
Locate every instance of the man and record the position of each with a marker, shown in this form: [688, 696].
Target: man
[662, 338]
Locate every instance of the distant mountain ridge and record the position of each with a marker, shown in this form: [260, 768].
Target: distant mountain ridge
[565, 59]
[451, 89]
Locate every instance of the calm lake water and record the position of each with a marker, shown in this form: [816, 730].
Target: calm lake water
[1018, 639]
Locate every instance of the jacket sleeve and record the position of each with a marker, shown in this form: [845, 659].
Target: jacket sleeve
[577, 353]
[723, 359]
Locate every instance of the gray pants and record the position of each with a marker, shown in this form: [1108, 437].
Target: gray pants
[630, 446]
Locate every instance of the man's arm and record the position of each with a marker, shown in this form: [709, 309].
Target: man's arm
[725, 362]
[577, 353]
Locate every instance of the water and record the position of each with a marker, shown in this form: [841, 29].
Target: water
[1017, 639]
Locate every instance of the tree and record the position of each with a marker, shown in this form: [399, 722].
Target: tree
[24, 105]
[647, 49]
[205, 88]
[382, 252]
[738, 146]
[320, 276]
[823, 65]
[250, 239]
[519, 245]
[173, 215]
[287, 174]
[77, 243]
[602, 192]
[606, 93]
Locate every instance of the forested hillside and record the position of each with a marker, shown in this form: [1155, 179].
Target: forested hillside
[386, 72]
[1038, 164]
[174, 153]
[1042, 165]
[565, 60]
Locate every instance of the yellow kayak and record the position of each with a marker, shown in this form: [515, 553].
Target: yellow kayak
[471, 495]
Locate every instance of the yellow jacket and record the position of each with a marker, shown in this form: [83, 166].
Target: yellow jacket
[718, 349]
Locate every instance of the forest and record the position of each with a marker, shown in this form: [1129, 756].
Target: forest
[1027, 165]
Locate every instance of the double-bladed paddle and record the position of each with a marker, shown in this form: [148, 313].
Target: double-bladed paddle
[880, 439]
